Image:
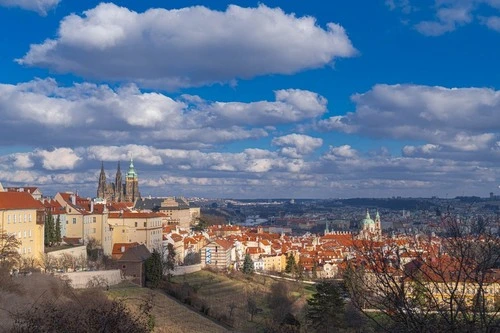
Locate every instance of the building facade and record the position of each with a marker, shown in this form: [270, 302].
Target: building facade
[23, 217]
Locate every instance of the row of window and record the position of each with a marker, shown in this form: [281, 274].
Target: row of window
[27, 218]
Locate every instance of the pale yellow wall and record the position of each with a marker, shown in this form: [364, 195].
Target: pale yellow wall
[96, 226]
[126, 231]
[274, 263]
[182, 217]
[22, 224]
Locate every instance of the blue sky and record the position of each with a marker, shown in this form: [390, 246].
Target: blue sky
[253, 99]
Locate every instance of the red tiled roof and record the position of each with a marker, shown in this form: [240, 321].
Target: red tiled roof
[133, 215]
[176, 237]
[19, 200]
[117, 247]
[224, 243]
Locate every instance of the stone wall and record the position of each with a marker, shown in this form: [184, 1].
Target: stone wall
[75, 251]
[181, 270]
[81, 279]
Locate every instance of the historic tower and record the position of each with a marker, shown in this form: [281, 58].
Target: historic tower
[131, 184]
[118, 185]
[101, 186]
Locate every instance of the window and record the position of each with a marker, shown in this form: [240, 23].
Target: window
[30, 232]
[136, 224]
[29, 249]
[25, 233]
[74, 220]
[15, 218]
[94, 219]
[25, 218]
[145, 224]
[29, 217]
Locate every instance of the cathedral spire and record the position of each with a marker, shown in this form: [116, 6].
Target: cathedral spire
[101, 186]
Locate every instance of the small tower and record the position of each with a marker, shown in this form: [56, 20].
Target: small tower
[326, 229]
[378, 224]
[131, 184]
[101, 186]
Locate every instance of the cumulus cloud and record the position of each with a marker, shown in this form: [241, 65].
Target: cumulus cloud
[340, 152]
[58, 159]
[295, 145]
[464, 119]
[22, 160]
[186, 47]
[90, 113]
[492, 22]
[341, 171]
[449, 14]
[39, 6]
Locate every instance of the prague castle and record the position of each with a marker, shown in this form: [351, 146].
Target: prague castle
[119, 191]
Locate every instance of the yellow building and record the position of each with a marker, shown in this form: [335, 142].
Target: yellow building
[24, 217]
[274, 263]
[74, 215]
[96, 226]
[143, 228]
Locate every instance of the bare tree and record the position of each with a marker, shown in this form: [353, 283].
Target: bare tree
[9, 255]
[431, 283]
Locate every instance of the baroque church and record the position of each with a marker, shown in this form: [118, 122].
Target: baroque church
[119, 191]
[370, 229]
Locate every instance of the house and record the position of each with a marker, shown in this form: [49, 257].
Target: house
[120, 248]
[176, 210]
[143, 228]
[24, 217]
[217, 254]
[258, 265]
[132, 264]
[33, 190]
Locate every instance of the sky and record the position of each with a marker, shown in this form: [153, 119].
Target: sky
[253, 99]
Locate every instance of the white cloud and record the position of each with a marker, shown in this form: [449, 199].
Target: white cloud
[450, 14]
[492, 22]
[22, 160]
[90, 113]
[191, 46]
[342, 152]
[466, 119]
[39, 6]
[296, 145]
[58, 159]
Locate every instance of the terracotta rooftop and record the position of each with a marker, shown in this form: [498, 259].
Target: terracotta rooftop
[19, 200]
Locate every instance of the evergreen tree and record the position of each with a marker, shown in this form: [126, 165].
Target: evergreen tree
[314, 270]
[291, 265]
[58, 238]
[49, 231]
[169, 263]
[247, 265]
[154, 269]
[325, 311]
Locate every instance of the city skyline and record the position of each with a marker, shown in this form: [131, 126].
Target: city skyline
[250, 99]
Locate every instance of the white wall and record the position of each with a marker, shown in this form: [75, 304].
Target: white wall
[81, 279]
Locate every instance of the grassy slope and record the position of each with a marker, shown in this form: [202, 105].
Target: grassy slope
[169, 315]
[220, 291]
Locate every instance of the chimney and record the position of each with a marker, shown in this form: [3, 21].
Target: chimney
[91, 206]
[123, 249]
[73, 199]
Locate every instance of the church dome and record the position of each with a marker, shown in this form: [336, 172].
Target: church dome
[367, 220]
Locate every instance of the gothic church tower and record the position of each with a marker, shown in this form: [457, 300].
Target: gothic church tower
[101, 187]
